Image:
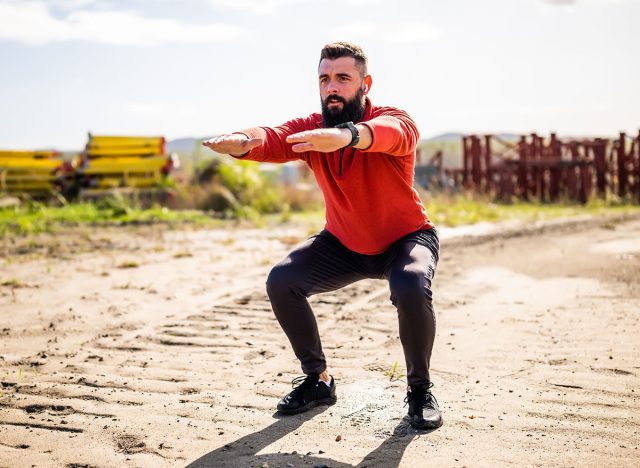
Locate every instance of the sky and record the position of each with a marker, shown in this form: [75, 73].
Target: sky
[195, 68]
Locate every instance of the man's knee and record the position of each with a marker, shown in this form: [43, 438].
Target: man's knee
[283, 279]
[410, 288]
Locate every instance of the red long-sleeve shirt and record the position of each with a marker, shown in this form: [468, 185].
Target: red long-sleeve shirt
[369, 196]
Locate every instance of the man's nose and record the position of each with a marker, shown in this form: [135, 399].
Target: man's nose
[332, 87]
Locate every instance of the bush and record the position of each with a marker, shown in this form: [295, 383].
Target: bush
[113, 207]
[250, 187]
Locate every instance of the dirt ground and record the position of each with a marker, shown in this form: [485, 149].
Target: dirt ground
[160, 349]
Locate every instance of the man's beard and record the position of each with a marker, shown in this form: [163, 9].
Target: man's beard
[352, 110]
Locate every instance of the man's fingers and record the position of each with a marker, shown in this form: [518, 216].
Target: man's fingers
[302, 147]
[232, 144]
[214, 141]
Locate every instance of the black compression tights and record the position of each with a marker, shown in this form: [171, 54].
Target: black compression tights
[323, 264]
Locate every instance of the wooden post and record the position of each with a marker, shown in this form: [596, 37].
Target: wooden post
[476, 162]
[555, 157]
[537, 147]
[488, 171]
[572, 180]
[465, 162]
[600, 160]
[523, 180]
[585, 175]
[622, 166]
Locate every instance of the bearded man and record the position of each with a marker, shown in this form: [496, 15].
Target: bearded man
[363, 159]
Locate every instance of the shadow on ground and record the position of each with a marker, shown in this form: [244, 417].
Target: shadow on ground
[243, 451]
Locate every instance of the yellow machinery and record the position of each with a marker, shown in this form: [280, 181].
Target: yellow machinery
[108, 162]
[34, 172]
[124, 161]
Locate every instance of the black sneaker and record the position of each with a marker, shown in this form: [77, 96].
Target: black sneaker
[310, 392]
[423, 408]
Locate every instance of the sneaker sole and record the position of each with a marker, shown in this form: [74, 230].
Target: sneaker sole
[312, 404]
[428, 426]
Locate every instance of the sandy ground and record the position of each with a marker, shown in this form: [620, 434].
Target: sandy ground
[162, 350]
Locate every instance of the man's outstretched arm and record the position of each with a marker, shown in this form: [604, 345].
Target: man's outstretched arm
[235, 144]
[327, 140]
[264, 144]
[283, 143]
[392, 132]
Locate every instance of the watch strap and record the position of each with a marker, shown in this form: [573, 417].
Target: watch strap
[355, 134]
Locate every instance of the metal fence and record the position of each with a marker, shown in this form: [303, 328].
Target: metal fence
[532, 167]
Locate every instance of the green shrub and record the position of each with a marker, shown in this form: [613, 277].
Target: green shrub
[251, 188]
[113, 207]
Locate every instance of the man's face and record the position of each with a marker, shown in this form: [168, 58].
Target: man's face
[342, 90]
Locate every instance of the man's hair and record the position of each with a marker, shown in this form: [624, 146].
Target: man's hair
[345, 49]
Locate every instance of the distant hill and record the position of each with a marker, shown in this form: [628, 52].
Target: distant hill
[182, 145]
[449, 143]
[444, 137]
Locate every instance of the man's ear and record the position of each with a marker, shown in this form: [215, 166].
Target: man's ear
[367, 84]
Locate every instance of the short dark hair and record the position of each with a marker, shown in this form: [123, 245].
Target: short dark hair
[345, 49]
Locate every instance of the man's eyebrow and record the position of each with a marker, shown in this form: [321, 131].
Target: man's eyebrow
[325, 75]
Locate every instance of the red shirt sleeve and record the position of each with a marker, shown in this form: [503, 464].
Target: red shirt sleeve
[393, 132]
[275, 148]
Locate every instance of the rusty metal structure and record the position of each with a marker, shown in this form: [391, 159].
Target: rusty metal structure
[534, 168]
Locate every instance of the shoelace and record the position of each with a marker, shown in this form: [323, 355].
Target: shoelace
[428, 396]
[304, 381]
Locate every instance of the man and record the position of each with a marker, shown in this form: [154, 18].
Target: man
[363, 158]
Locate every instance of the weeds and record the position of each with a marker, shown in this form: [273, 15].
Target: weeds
[240, 192]
[36, 217]
[182, 254]
[461, 209]
[394, 373]
[12, 283]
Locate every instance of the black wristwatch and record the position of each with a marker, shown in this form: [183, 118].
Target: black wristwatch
[355, 134]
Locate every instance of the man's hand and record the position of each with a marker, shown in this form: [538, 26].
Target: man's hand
[233, 144]
[324, 140]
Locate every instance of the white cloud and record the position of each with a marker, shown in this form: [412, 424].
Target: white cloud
[31, 22]
[269, 7]
[75, 4]
[398, 33]
[258, 7]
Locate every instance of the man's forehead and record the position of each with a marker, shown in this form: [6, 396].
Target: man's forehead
[339, 65]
